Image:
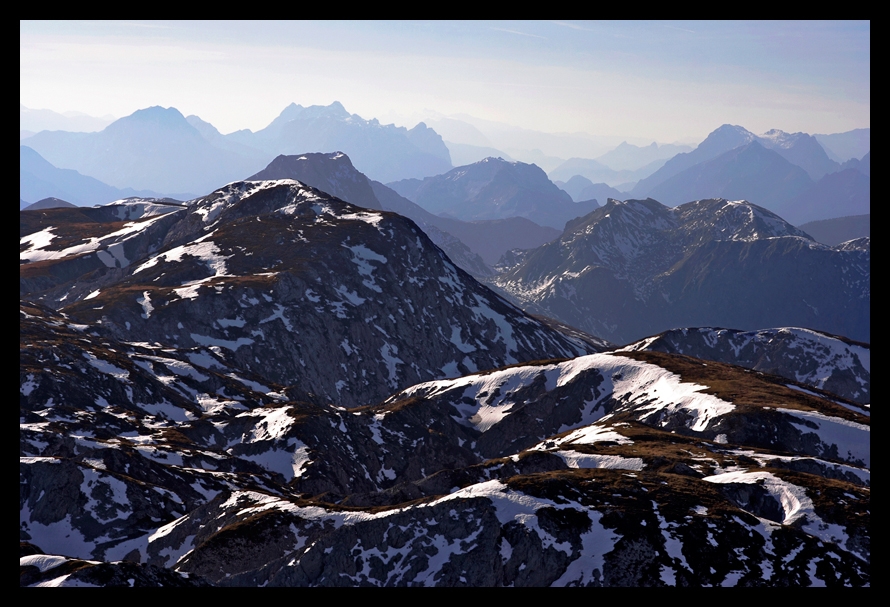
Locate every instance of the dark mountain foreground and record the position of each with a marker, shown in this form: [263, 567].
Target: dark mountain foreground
[169, 466]
[270, 386]
[285, 281]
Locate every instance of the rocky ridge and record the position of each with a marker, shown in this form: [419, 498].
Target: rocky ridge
[634, 268]
[827, 362]
[616, 470]
[286, 282]
[228, 393]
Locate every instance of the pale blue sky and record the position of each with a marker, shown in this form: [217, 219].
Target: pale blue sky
[660, 80]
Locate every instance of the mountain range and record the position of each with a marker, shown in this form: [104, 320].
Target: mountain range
[635, 268]
[305, 378]
[160, 149]
[38, 179]
[841, 229]
[472, 245]
[161, 442]
[494, 189]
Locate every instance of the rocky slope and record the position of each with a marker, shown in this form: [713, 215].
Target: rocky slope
[269, 386]
[644, 469]
[636, 268]
[287, 282]
[828, 362]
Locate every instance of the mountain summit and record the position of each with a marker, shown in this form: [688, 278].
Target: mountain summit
[636, 268]
[287, 282]
[494, 188]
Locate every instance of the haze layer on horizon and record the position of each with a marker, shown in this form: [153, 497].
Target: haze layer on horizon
[664, 80]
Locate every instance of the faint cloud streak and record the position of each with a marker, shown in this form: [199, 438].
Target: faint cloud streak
[518, 33]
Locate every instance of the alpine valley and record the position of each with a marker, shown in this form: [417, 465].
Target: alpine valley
[452, 376]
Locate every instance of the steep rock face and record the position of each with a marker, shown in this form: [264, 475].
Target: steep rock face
[827, 362]
[633, 470]
[635, 268]
[294, 285]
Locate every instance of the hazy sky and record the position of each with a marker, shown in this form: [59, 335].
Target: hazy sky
[660, 80]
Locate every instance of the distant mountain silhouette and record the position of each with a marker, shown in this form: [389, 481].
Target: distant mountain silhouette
[800, 149]
[863, 165]
[840, 147]
[840, 229]
[632, 157]
[494, 189]
[840, 194]
[35, 120]
[39, 179]
[574, 186]
[750, 172]
[155, 148]
[383, 152]
[719, 141]
[464, 153]
[49, 203]
[596, 171]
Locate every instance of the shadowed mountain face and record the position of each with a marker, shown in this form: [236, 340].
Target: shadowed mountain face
[802, 150]
[159, 149]
[288, 283]
[169, 466]
[635, 268]
[494, 189]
